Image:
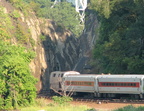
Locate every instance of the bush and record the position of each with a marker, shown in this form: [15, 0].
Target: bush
[42, 102]
[15, 14]
[17, 85]
[63, 100]
[130, 108]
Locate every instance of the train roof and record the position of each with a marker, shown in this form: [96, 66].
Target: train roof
[121, 76]
[108, 76]
[65, 72]
[83, 75]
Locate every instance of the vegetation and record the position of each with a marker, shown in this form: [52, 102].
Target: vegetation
[63, 13]
[16, 82]
[53, 106]
[43, 104]
[130, 108]
[120, 48]
[15, 14]
[66, 17]
[62, 100]
[17, 85]
[58, 108]
[20, 5]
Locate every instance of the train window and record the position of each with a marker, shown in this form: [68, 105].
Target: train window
[68, 83]
[89, 83]
[62, 75]
[60, 85]
[112, 84]
[115, 84]
[134, 84]
[54, 75]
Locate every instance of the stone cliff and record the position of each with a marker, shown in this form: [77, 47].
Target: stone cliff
[55, 48]
[59, 50]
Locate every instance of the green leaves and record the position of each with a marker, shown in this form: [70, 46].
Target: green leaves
[104, 7]
[17, 85]
[62, 100]
[66, 16]
[120, 46]
[63, 13]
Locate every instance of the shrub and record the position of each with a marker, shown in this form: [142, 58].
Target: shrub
[41, 102]
[130, 108]
[17, 85]
[15, 14]
[63, 100]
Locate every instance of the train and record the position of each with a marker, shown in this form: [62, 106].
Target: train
[98, 85]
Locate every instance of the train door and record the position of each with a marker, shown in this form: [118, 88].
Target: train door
[142, 88]
[142, 85]
[96, 87]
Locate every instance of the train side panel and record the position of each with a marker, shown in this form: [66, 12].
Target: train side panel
[121, 84]
[56, 79]
[82, 83]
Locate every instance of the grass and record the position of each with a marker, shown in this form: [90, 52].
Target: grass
[57, 108]
[43, 105]
[52, 107]
[130, 108]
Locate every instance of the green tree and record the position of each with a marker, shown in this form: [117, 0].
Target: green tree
[63, 13]
[120, 46]
[66, 16]
[17, 86]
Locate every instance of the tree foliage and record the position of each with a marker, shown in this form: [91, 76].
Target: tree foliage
[66, 16]
[17, 85]
[62, 100]
[63, 13]
[104, 7]
[120, 48]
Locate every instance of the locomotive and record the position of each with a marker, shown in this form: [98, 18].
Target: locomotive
[98, 85]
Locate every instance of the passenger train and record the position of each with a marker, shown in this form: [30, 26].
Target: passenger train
[98, 85]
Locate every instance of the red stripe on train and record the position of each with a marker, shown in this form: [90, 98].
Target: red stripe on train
[119, 84]
[79, 83]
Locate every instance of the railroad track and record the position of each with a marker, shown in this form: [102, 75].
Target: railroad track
[98, 100]
[102, 100]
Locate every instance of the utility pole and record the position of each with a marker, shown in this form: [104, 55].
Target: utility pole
[80, 6]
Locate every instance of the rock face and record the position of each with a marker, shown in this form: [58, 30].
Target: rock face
[88, 40]
[89, 35]
[55, 48]
[58, 51]
[61, 50]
